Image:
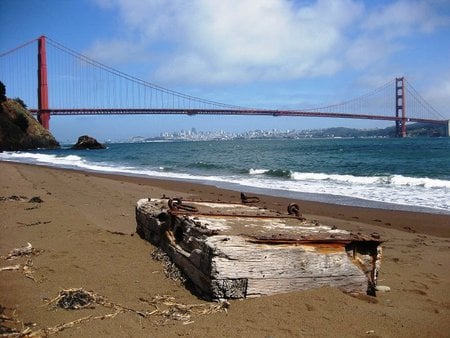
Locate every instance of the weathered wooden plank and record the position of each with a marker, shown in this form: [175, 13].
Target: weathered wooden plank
[200, 280]
[285, 267]
[257, 251]
[234, 257]
[267, 286]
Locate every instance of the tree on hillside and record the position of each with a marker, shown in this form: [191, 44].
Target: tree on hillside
[20, 101]
[2, 92]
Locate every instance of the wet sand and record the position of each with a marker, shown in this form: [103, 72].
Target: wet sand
[84, 231]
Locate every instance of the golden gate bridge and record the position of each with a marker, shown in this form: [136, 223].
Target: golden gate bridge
[82, 86]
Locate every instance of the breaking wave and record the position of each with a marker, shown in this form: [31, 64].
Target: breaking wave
[393, 189]
[272, 173]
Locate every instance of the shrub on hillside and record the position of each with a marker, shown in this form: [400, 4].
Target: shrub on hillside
[2, 92]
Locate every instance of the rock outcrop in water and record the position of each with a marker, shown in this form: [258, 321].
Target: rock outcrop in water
[87, 142]
[19, 130]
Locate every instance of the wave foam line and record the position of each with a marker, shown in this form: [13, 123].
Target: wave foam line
[395, 180]
[394, 189]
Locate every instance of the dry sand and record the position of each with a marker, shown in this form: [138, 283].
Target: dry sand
[84, 232]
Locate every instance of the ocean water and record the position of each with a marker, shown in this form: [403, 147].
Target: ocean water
[403, 174]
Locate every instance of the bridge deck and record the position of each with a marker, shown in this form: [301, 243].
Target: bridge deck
[235, 112]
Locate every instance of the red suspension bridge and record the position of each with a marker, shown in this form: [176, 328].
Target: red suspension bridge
[83, 86]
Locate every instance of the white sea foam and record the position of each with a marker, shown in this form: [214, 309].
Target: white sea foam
[420, 182]
[41, 158]
[393, 189]
[257, 171]
[397, 180]
[370, 189]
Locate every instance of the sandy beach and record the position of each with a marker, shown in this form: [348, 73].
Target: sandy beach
[83, 235]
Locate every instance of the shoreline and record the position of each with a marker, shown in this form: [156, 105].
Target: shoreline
[84, 235]
[401, 192]
[437, 224]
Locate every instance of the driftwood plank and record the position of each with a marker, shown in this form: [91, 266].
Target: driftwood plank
[236, 251]
[236, 257]
[268, 286]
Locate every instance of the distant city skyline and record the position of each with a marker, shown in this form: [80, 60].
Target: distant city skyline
[269, 54]
[415, 130]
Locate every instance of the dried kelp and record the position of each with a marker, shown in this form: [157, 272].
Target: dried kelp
[36, 199]
[10, 267]
[168, 309]
[13, 198]
[27, 250]
[164, 309]
[26, 268]
[75, 299]
[170, 269]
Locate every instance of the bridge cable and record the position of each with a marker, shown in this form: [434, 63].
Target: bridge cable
[135, 79]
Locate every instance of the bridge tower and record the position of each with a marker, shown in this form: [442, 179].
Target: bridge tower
[400, 107]
[43, 114]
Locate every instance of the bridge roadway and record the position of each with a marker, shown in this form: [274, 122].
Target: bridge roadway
[235, 112]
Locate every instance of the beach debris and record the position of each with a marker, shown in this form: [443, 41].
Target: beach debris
[164, 309]
[13, 198]
[36, 199]
[170, 269]
[34, 223]
[168, 309]
[75, 299]
[9, 325]
[239, 250]
[177, 204]
[10, 268]
[28, 332]
[26, 268]
[117, 233]
[294, 209]
[27, 250]
[249, 199]
[383, 288]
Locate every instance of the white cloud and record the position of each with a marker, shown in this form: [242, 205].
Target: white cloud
[382, 31]
[215, 41]
[116, 51]
[402, 18]
[438, 95]
[365, 51]
[266, 40]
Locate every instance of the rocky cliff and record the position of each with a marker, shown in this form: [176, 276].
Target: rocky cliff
[20, 131]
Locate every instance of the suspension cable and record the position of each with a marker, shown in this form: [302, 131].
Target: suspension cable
[135, 79]
[18, 47]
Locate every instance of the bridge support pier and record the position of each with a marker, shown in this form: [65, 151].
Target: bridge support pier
[447, 129]
[400, 107]
[43, 114]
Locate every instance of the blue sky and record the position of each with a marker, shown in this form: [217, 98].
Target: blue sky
[267, 54]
